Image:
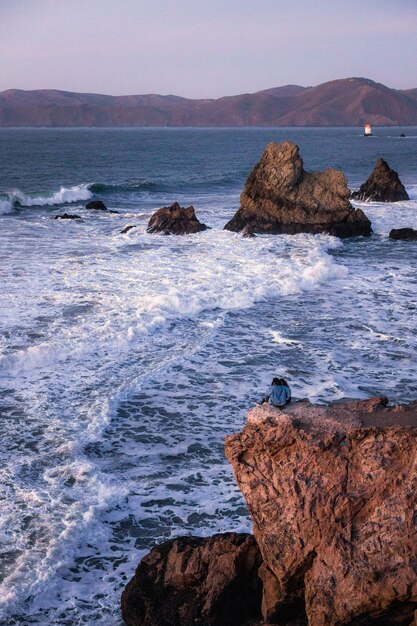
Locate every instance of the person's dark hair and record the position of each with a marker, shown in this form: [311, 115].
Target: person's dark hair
[276, 381]
[284, 382]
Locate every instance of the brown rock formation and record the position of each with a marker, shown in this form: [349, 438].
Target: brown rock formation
[175, 220]
[405, 234]
[332, 494]
[383, 185]
[191, 580]
[281, 197]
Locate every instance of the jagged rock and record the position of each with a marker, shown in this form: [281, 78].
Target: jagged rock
[281, 197]
[332, 494]
[127, 228]
[98, 205]
[192, 580]
[406, 234]
[175, 220]
[67, 216]
[383, 185]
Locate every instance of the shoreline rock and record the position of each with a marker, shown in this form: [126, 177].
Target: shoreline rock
[331, 491]
[383, 185]
[194, 580]
[280, 197]
[175, 220]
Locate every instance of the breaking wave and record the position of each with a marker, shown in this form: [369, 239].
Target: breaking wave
[66, 195]
[5, 206]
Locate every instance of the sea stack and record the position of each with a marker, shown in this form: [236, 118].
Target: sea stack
[383, 185]
[280, 197]
[175, 220]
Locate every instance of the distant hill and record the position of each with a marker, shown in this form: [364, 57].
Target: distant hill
[345, 102]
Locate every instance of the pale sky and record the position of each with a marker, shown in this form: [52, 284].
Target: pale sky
[204, 48]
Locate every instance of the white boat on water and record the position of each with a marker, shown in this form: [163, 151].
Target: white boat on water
[367, 131]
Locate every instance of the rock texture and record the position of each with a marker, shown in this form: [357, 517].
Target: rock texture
[406, 234]
[383, 185]
[281, 197]
[175, 220]
[196, 581]
[332, 494]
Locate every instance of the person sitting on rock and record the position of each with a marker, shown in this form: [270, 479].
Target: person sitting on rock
[278, 394]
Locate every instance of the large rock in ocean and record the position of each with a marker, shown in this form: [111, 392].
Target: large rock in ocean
[175, 220]
[383, 185]
[210, 582]
[403, 234]
[332, 493]
[281, 197]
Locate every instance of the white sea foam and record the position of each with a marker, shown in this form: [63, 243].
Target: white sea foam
[279, 339]
[65, 195]
[6, 206]
[126, 360]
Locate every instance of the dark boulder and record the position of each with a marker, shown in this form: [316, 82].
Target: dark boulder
[281, 197]
[127, 228]
[98, 205]
[383, 185]
[192, 580]
[67, 216]
[175, 220]
[405, 234]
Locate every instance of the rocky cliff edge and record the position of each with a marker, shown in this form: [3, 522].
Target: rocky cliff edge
[332, 494]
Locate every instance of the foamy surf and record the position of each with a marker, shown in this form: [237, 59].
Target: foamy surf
[126, 360]
[6, 206]
[65, 195]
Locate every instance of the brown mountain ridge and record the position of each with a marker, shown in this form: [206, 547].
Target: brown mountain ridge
[344, 102]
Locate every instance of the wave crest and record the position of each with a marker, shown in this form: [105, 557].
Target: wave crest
[66, 195]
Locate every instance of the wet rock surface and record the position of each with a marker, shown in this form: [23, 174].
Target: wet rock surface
[175, 220]
[404, 234]
[196, 581]
[67, 216]
[98, 205]
[383, 185]
[332, 495]
[281, 197]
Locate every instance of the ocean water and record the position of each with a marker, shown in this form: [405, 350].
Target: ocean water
[126, 359]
